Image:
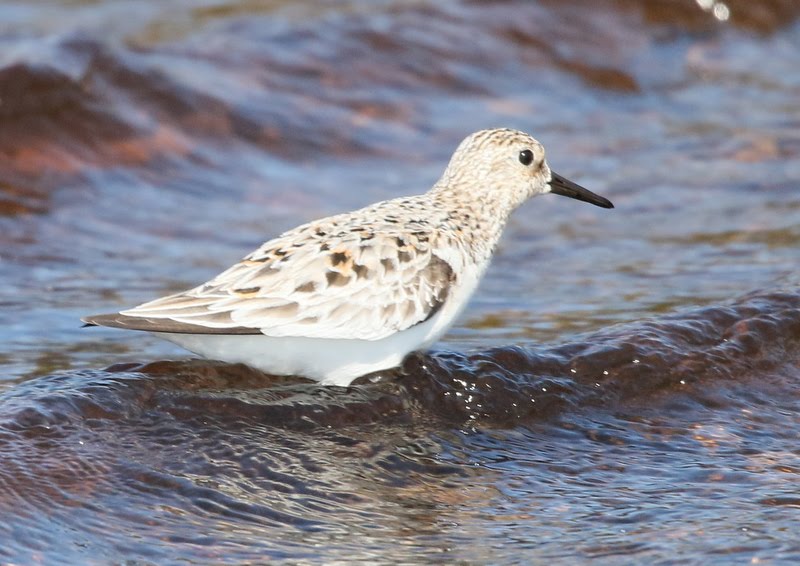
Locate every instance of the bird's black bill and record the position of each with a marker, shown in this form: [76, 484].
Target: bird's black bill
[564, 187]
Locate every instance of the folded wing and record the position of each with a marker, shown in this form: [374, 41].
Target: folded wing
[353, 285]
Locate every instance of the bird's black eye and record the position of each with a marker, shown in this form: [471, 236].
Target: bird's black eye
[526, 157]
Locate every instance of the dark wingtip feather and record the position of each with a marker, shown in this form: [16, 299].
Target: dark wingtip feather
[119, 320]
[111, 319]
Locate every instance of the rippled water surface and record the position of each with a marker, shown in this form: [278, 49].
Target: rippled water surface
[624, 387]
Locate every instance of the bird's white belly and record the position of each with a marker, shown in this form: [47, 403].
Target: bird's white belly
[330, 361]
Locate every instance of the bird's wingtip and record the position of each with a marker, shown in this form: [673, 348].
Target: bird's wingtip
[99, 319]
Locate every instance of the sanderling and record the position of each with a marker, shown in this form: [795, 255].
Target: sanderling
[354, 293]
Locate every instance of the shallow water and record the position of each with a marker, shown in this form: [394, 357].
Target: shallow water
[622, 389]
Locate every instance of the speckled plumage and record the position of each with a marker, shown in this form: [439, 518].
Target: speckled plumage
[354, 293]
